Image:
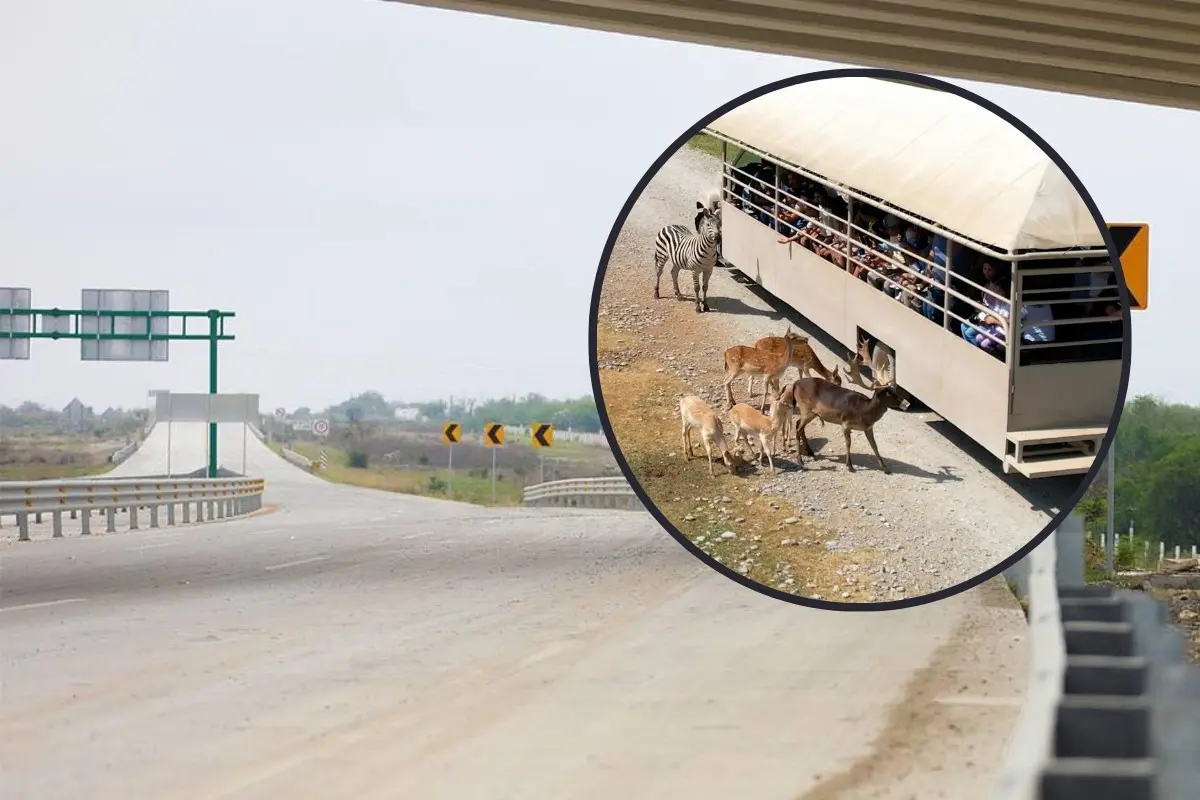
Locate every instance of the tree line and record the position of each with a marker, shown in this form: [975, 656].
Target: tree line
[1157, 469]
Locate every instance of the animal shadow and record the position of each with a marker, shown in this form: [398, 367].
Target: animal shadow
[732, 305]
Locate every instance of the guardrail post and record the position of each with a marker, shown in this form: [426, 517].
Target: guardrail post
[38, 518]
[111, 522]
[154, 516]
[1069, 545]
[221, 508]
[133, 517]
[86, 522]
[22, 527]
[57, 522]
[199, 511]
[170, 512]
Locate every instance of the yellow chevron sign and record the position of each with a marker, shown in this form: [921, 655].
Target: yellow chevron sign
[1133, 247]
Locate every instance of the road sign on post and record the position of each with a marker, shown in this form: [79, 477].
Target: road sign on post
[12, 348]
[542, 436]
[493, 434]
[1133, 248]
[113, 325]
[451, 435]
[320, 427]
[280, 413]
[493, 437]
[139, 323]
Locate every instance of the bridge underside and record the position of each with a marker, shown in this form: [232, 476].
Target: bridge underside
[1141, 51]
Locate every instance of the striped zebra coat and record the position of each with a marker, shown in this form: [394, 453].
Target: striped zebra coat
[694, 251]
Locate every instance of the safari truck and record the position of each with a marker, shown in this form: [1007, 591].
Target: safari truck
[915, 220]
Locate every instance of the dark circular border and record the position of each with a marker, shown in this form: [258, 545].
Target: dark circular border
[932, 83]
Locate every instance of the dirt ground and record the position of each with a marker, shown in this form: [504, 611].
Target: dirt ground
[942, 517]
[1184, 610]
[770, 542]
[1183, 605]
[37, 456]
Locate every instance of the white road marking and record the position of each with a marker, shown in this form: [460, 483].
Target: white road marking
[312, 560]
[46, 604]
[265, 531]
[152, 546]
[978, 700]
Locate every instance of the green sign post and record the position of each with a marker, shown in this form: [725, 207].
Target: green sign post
[73, 324]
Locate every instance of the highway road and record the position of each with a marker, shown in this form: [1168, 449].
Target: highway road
[352, 643]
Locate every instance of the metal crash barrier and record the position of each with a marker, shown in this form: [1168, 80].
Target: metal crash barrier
[210, 498]
[583, 493]
[1112, 710]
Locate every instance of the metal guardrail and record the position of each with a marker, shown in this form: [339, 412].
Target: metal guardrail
[215, 498]
[125, 452]
[1112, 710]
[294, 458]
[583, 493]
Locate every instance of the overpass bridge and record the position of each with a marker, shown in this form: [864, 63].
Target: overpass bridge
[382, 645]
[1142, 52]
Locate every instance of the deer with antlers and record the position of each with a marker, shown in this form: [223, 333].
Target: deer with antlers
[752, 362]
[817, 398]
[877, 361]
[695, 414]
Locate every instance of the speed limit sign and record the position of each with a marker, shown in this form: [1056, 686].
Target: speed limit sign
[320, 427]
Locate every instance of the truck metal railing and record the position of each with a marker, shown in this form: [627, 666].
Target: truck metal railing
[77, 499]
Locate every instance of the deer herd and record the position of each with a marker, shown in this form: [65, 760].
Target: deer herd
[818, 394]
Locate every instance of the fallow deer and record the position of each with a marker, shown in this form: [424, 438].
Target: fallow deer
[804, 359]
[818, 398]
[695, 413]
[878, 362]
[751, 361]
[748, 420]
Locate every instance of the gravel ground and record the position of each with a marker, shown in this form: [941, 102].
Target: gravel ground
[943, 516]
[1185, 613]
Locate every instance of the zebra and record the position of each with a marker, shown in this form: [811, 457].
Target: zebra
[695, 252]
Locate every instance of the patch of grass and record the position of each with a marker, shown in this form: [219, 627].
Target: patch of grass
[42, 472]
[427, 482]
[706, 143]
[642, 406]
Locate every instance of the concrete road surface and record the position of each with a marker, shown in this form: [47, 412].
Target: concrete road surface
[361, 644]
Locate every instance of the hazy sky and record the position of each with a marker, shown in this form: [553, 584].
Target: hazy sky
[374, 188]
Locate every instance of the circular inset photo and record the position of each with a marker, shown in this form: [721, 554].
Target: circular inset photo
[859, 339]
